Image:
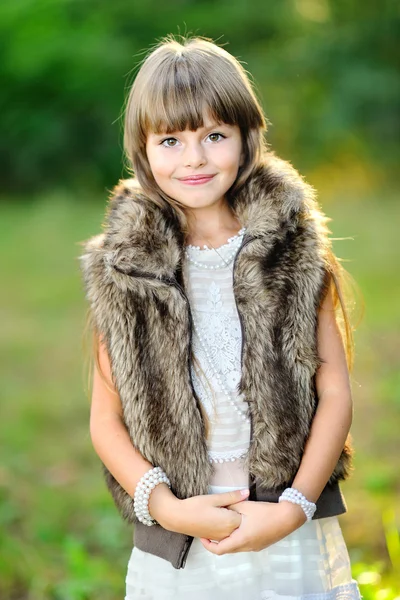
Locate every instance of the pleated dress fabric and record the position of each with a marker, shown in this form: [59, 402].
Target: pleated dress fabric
[312, 563]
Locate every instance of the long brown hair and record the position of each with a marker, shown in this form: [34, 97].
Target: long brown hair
[178, 81]
[177, 84]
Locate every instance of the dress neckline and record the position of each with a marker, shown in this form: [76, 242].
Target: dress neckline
[205, 249]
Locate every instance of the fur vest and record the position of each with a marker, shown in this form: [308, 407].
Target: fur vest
[134, 285]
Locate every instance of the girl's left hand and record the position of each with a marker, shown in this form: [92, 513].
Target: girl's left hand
[263, 524]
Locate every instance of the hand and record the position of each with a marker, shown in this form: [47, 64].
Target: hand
[263, 524]
[199, 516]
[211, 515]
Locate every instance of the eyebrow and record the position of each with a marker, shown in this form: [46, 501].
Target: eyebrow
[212, 126]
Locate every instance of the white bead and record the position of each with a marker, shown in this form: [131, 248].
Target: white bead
[217, 375]
[227, 459]
[224, 263]
[296, 497]
[142, 493]
[201, 338]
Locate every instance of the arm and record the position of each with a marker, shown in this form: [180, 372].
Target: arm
[328, 434]
[109, 435]
[196, 516]
[332, 420]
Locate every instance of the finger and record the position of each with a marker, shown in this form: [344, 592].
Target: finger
[236, 507]
[238, 519]
[228, 498]
[223, 547]
[232, 543]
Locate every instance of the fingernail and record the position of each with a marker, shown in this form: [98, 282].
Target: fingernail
[244, 492]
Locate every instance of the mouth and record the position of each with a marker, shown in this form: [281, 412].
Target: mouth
[196, 179]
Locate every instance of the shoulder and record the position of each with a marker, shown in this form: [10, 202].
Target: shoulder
[125, 203]
[277, 199]
[92, 255]
[138, 235]
[276, 187]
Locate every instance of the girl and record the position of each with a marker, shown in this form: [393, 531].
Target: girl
[221, 400]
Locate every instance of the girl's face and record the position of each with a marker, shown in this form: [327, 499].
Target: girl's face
[213, 150]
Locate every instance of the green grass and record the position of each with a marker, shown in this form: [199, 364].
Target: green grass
[60, 535]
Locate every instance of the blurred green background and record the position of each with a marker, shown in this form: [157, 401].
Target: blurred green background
[328, 78]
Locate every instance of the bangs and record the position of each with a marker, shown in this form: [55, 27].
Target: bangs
[180, 87]
[183, 94]
[177, 113]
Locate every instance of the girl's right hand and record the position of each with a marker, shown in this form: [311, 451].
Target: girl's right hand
[200, 516]
[206, 516]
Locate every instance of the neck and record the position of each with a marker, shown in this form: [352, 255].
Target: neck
[212, 224]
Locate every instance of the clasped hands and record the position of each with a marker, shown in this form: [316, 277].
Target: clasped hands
[227, 522]
[262, 524]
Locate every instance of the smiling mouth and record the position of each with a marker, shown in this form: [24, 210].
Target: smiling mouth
[197, 180]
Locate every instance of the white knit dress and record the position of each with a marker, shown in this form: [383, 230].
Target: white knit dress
[312, 563]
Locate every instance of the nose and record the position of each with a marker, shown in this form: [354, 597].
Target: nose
[194, 155]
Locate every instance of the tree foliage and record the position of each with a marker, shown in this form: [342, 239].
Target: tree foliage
[326, 70]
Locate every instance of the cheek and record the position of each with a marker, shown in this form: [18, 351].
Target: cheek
[228, 157]
[160, 165]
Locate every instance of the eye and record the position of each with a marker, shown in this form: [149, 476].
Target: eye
[216, 134]
[168, 140]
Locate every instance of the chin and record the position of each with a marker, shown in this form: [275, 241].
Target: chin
[200, 203]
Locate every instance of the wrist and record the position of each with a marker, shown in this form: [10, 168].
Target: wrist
[163, 507]
[294, 496]
[147, 483]
[293, 514]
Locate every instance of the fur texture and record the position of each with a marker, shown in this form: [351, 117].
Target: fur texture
[132, 274]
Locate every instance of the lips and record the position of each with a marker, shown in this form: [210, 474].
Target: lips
[196, 177]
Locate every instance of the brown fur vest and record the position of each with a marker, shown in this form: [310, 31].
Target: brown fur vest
[133, 281]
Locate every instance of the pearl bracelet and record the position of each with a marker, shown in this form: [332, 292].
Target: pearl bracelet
[296, 497]
[143, 490]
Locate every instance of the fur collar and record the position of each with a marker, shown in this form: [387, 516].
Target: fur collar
[279, 278]
[140, 236]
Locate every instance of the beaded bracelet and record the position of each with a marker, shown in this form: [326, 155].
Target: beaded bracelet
[143, 490]
[296, 497]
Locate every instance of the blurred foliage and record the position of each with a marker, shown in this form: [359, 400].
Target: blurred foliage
[60, 535]
[327, 73]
